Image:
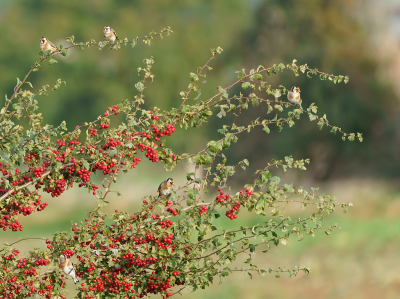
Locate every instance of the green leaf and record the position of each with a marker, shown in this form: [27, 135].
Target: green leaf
[139, 86]
[252, 247]
[64, 52]
[265, 176]
[246, 85]
[278, 107]
[70, 39]
[85, 164]
[275, 212]
[261, 204]
[277, 93]
[313, 108]
[222, 113]
[214, 146]
[241, 74]
[52, 61]
[312, 117]
[193, 77]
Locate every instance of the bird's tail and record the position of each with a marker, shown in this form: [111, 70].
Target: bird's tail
[75, 280]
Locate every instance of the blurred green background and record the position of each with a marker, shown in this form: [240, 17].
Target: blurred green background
[349, 37]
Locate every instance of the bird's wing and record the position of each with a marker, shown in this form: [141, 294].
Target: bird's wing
[113, 31]
[51, 44]
[70, 271]
[69, 263]
[160, 187]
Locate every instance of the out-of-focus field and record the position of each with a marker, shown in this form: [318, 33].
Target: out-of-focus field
[360, 260]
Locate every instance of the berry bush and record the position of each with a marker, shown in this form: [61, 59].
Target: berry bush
[172, 242]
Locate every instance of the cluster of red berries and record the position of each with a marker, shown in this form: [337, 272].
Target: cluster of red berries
[172, 211]
[151, 154]
[155, 285]
[42, 206]
[202, 210]
[84, 174]
[58, 187]
[93, 132]
[135, 161]
[169, 155]
[15, 207]
[113, 109]
[37, 172]
[248, 193]
[111, 143]
[74, 142]
[21, 263]
[42, 262]
[31, 272]
[14, 225]
[221, 197]
[107, 166]
[165, 224]
[94, 188]
[60, 142]
[104, 126]
[68, 253]
[26, 210]
[164, 132]
[153, 116]
[33, 157]
[9, 257]
[144, 135]
[230, 214]
[48, 242]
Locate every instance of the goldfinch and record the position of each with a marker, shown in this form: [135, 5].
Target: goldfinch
[165, 187]
[46, 45]
[68, 267]
[110, 34]
[294, 95]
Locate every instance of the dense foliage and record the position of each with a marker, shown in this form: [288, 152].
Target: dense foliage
[172, 242]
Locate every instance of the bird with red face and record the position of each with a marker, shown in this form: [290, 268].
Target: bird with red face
[294, 95]
[110, 34]
[46, 45]
[165, 187]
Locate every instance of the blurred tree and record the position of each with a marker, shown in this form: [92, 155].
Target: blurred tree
[326, 34]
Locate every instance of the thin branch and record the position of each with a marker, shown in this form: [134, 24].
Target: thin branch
[21, 241]
[191, 87]
[178, 291]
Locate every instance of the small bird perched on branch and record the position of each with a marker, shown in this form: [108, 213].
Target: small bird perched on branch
[68, 267]
[110, 34]
[165, 187]
[46, 45]
[294, 95]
